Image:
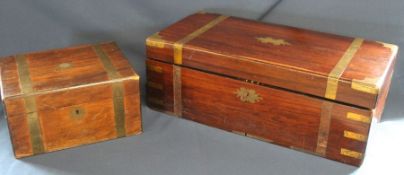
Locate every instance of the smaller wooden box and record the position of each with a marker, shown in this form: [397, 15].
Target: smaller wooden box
[69, 97]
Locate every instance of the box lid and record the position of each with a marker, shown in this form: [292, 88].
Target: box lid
[62, 69]
[344, 69]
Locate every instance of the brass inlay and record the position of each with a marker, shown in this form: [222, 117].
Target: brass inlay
[248, 95]
[64, 65]
[24, 75]
[354, 136]
[117, 91]
[178, 46]
[392, 47]
[324, 128]
[119, 108]
[368, 85]
[154, 68]
[155, 41]
[155, 85]
[358, 117]
[77, 112]
[350, 153]
[273, 41]
[338, 70]
[30, 105]
[106, 62]
[177, 89]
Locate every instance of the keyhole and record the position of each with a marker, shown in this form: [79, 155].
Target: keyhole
[77, 112]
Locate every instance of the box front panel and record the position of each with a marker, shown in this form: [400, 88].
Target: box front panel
[298, 121]
[76, 125]
[75, 117]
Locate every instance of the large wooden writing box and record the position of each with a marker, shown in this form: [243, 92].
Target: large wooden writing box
[68, 97]
[302, 89]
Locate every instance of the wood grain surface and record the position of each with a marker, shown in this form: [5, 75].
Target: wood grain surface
[292, 58]
[75, 97]
[281, 117]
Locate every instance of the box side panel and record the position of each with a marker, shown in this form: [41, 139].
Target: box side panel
[18, 128]
[133, 117]
[159, 86]
[384, 91]
[75, 117]
[285, 118]
[9, 77]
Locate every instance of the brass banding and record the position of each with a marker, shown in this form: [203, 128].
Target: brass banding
[117, 91]
[324, 128]
[367, 85]
[350, 153]
[338, 70]
[177, 89]
[30, 105]
[155, 41]
[106, 62]
[354, 136]
[178, 49]
[178, 46]
[119, 108]
[358, 117]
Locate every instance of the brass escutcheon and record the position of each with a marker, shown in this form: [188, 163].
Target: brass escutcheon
[64, 65]
[248, 95]
[273, 41]
[77, 112]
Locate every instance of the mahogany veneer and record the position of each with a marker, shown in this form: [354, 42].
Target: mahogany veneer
[307, 90]
[69, 97]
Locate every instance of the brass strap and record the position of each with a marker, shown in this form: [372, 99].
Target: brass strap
[178, 48]
[106, 62]
[119, 108]
[180, 44]
[358, 117]
[350, 153]
[355, 136]
[338, 70]
[30, 105]
[324, 128]
[177, 89]
[117, 91]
